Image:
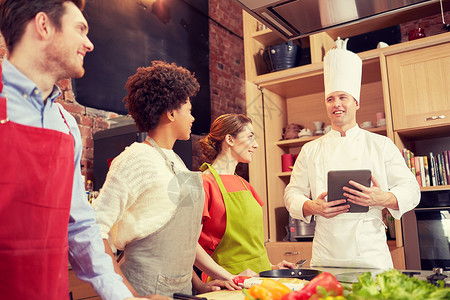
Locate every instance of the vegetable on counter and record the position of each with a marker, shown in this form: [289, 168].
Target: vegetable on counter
[268, 290]
[394, 285]
[389, 285]
[322, 286]
[257, 292]
[277, 289]
[239, 280]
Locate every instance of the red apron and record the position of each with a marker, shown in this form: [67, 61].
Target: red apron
[36, 178]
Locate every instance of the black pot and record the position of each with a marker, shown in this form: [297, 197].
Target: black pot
[282, 56]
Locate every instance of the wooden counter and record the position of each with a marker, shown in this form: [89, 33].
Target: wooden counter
[224, 295]
[344, 275]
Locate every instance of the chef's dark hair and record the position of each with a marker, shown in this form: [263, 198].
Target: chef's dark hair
[15, 14]
[157, 89]
[231, 124]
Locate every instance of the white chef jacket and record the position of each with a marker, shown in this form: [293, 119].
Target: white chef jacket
[351, 239]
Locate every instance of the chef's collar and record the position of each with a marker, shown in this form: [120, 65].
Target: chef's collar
[349, 133]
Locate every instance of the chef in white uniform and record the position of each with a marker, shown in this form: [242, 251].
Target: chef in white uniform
[344, 239]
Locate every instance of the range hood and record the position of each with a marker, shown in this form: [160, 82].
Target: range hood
[294, 19]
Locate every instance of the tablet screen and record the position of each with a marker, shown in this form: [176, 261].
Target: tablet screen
[340, 178]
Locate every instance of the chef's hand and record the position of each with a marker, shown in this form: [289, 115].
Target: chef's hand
[323, 208]
[370, 196]
[284, 265]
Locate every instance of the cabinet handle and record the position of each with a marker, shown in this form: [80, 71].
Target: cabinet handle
[292, 253]
[434, 118]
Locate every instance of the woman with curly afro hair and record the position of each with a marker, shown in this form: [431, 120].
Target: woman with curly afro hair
[150, 205]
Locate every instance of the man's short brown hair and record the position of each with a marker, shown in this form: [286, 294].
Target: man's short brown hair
[15, 14]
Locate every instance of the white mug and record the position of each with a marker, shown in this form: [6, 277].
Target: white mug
[367, 124]
[381, 122]
[305, 132]
[318, 125]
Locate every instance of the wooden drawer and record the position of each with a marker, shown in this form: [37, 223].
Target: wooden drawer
[294, 251]
[289, 251]
[398, 255]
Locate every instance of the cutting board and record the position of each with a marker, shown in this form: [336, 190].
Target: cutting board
[224, 295]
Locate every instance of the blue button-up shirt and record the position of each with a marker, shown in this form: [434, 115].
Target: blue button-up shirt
[87, 256]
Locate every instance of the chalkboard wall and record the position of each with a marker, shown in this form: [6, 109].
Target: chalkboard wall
[128, 34]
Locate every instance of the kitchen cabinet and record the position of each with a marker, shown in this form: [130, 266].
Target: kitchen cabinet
[420, 87]
[419, 93]
[295, 251]
[296, 95]
[289, 251]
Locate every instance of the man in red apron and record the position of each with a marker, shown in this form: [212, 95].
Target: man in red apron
[43, 211]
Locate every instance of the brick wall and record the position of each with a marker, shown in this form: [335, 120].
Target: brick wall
[226, 58]
[226, 76]
[226, 66]
[90, 121]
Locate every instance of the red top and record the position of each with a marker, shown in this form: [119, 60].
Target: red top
[214, 216]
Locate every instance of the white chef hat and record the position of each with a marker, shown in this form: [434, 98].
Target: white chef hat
[342, 72]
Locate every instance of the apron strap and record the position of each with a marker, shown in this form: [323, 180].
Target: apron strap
[170, 164]
[3, 111]
[64, 118]
[242, 180]
[1, 79]
[216, 177]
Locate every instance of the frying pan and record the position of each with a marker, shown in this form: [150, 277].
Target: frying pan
[306, 274]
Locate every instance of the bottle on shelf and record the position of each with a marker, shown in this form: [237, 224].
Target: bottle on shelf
[89, 190]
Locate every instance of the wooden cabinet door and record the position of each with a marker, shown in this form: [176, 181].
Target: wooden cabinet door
[289, 251]
[419, 87]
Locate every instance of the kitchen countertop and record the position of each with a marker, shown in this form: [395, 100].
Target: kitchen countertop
[344, 275]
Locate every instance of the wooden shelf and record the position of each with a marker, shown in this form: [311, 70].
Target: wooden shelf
[284, 174]
[424, 133]
[303, 140]
[435, 188]
[267, 37]
[308, 79]
[298, 142]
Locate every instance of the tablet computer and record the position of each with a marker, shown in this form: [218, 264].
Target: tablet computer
[340, 178]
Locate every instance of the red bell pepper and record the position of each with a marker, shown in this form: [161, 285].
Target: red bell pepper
[239, 280]
[326, 280]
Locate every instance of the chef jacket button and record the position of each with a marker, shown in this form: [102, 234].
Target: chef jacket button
[36, 91]
[25, 96]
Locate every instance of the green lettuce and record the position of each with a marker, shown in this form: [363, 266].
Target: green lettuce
[394, 285]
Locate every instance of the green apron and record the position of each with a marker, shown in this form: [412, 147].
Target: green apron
[242, 245]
